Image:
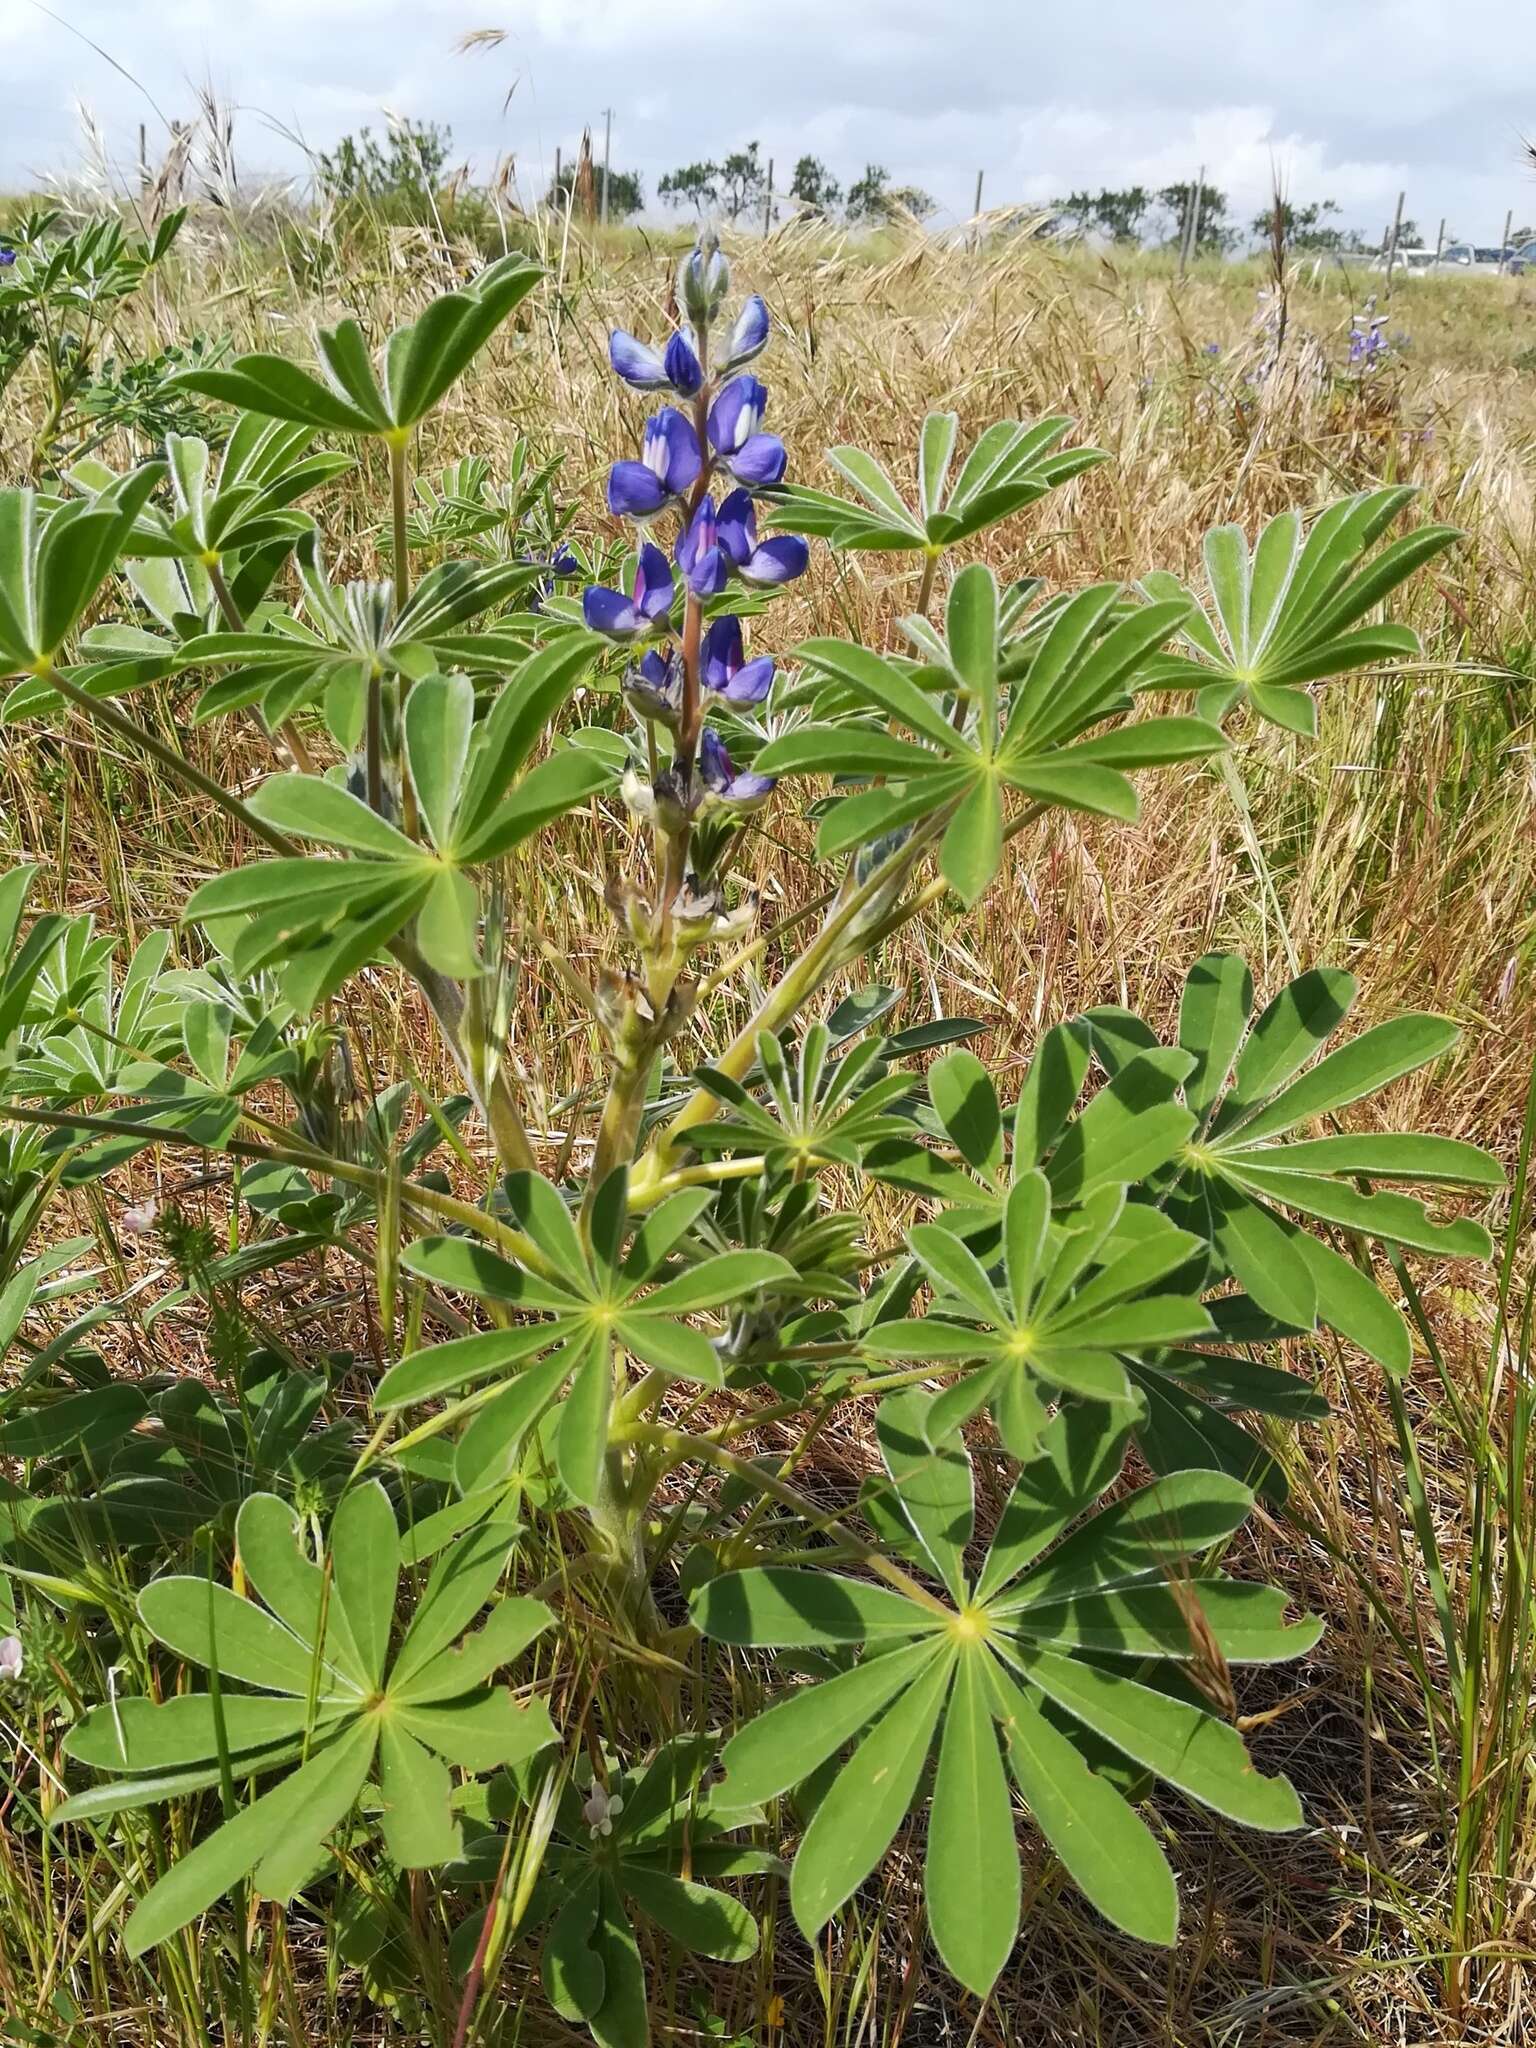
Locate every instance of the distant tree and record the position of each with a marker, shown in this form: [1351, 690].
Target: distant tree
[1076, 213]
[743, 182]
[1408, 236]
[1119, 215]
[696, 185]
[1214, 232]
[874, 198]
[814, 185]
[626, 194]
[406, 170]
[911, 199]
[1304, 227]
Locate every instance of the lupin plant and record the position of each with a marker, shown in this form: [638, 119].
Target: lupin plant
[548, 1448]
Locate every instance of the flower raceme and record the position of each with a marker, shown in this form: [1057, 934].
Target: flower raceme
[715, 543]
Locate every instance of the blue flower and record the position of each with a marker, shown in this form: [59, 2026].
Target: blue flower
[7, 258]
[670, 461]
[752, 457]
[655, 688]
[724, 668]
[747, 792]
[778, 560]
[749, 337]
[677, 369]
[699, 555]
[646, 610]
[685, 373]
[561, 563]
[638, 365]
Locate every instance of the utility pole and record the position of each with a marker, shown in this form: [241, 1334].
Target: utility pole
[607, 155]
[1440, 241]
[768, 202]
[143, 158]
[557, 177]
[1509, 221]
[1191, 235]
[1397, 229]
[976, 209]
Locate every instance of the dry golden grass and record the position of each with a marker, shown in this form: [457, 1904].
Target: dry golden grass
[1400, 844]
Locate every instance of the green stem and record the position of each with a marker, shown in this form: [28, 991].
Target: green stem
[400, 565]
[106, 713]
[308, 1157]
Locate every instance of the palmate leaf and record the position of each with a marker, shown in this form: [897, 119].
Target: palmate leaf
[1083, 1623]
[1078, 1296]
[596, 1301]
[318, 1650]
[318, 921]
[354, 631]
[1287, 614]
[1010, 467]
[959, 766]
[54, 559]
[355, 393]
[1248, 1172]
[818, 1110]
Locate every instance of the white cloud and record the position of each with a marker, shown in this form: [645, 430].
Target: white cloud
[1351, 104]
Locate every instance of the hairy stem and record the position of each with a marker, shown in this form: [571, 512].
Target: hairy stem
[400, 566]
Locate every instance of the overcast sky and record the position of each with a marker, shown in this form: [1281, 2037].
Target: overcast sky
[1351, 102]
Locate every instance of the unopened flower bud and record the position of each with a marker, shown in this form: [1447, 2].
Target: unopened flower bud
[703, 279]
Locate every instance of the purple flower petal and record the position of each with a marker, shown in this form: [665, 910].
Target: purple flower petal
[737, 413]
[635, 491]
[715, 769]
[748, 792]
[738, 527]
[610, 612]
[709, 574]
[751, 682]
[655, 591]
[721, 655]
[759, 461]
[699, 556]
[636, 364]
[671, 450]
[749, 337]
[685, 373]
[779, 560]
[655, 688]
